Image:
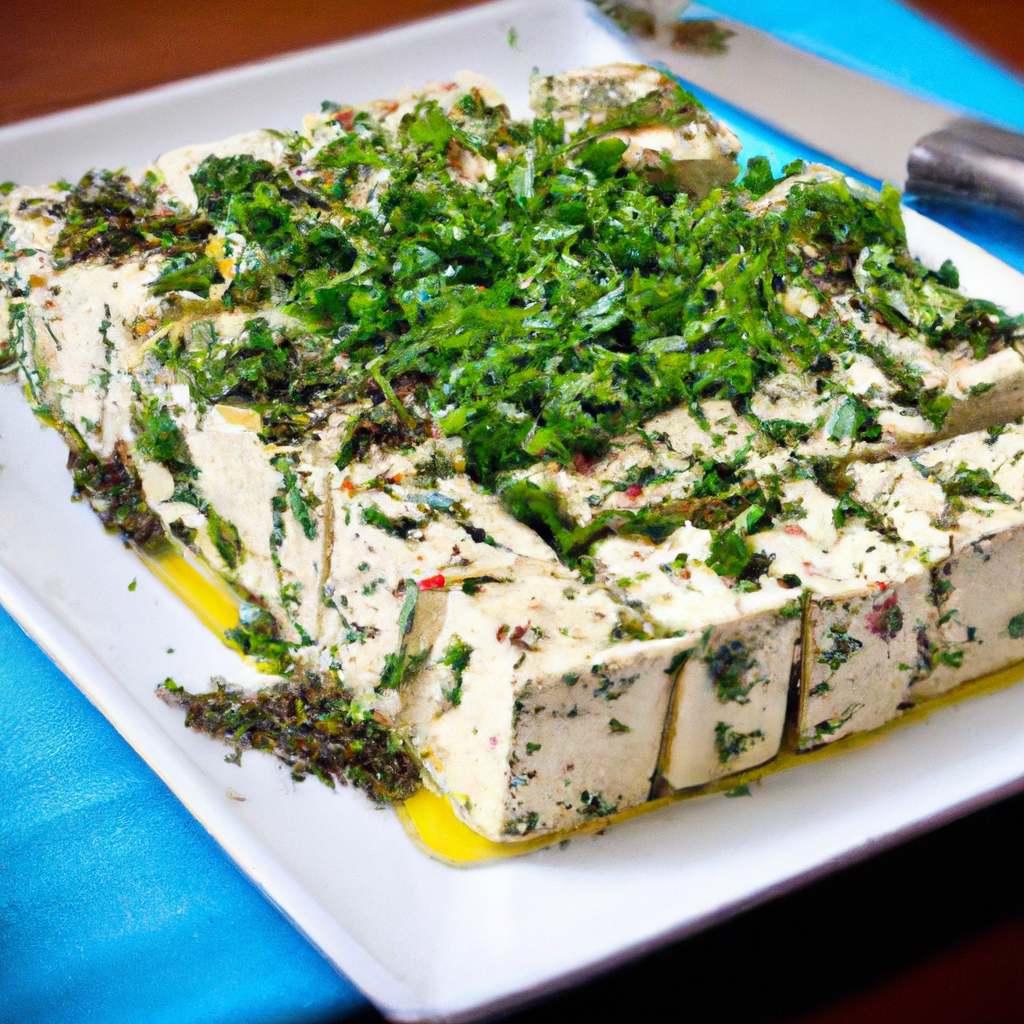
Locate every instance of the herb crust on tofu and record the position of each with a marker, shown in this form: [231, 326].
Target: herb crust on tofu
[547, 457]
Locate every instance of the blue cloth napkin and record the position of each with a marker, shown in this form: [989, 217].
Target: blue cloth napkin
[115, 905]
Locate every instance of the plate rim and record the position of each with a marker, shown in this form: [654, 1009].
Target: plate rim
[247, 70]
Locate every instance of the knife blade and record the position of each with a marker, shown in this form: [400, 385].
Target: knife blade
[921, 146]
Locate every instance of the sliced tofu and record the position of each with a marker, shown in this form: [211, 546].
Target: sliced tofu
[867, 597]
[237, 479]
[304, 546]
[979, 596]
[389, 535]
[980, 392]
[861, 657]
[370, 568]
[960, 504]
[536, 700]
[898, 619]
[729, 708]
[698, 153]
[528, 716]
[84, 346]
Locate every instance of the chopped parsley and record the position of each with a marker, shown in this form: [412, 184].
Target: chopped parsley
[539, 310]
[456, 657]
[312, 725]
[730, 743]
[843, 647]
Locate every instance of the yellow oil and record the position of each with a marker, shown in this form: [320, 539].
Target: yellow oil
[430, 820]
[432, 823]
[212, 601]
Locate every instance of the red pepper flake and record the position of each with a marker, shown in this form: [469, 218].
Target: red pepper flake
[516, 639]
[502, 632]
[794, 531]
[345, 118]
[396, 479]
[347, 485]
[582, 463]
[886, 618]
[434, 583]
[634, 491]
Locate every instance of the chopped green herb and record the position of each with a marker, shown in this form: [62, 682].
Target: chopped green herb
[594, 805]
[456, 657]
[311, 725]
[730, 743]
[843, 647]
[730, 664]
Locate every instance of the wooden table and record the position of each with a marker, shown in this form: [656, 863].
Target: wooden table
[55, 55]
[931, 932]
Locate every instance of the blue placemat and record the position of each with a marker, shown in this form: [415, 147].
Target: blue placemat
[115, 905]
[893, 43]
[927, 61]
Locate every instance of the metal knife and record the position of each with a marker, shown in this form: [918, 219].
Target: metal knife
[920, 146]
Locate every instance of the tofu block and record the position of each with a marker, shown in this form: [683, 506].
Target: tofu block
[390, 537]
[959, 503]
[979, 597]
[528, 716]
[729, 708]
[980, 391]
[867, 598]
[860, 658]
[641, 593]
[237, 479]
[82, 345]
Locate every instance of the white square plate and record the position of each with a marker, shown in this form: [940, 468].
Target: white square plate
[421, 939]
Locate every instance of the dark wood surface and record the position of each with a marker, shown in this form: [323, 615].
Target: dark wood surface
[54, 54]
[994, 26]
[929, 933]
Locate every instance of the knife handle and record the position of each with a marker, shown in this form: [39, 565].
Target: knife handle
[972, 162]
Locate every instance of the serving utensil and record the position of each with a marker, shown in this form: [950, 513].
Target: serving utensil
[922, 146]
